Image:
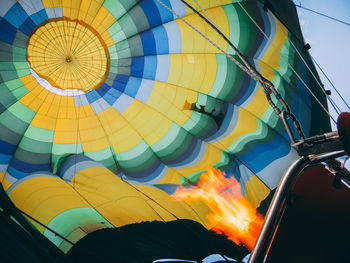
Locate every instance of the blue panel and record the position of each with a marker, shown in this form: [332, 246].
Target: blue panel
[132, 87]
[120, 82]
[168, 188]
[234, 171]
[71, 161]
[27, 167]
[191, 154]
[16, 15]
[150, 68]
[7, 31]
[15, 173]
[103, 89]
[256, 157]
[92, 96]
[161, 39]
[27, 26]
[5, 159]
[7, 148]
[137, 66]
[245, 91]
[39, 17]
[165, 15]
[111, 96]
[151, 12]
[148, 43]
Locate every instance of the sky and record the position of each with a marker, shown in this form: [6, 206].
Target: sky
[330, 44]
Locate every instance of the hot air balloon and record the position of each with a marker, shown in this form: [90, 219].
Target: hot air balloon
[107, 107]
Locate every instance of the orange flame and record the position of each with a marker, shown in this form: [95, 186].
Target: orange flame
[231, 214]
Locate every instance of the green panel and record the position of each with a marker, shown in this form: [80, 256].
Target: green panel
[19, 54]
[22, 112]
[69, 220]
[61, 151]
[234, 30]
[116, 32]
[173, 144]
[123, 49]
[199, 124]
[128, 26]
[22, 68]
[139, 158]
[33, 156]
[39, 134]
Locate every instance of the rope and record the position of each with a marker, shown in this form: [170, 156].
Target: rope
[324, 73]
[48, 228]
[335, 106]
[321, 14]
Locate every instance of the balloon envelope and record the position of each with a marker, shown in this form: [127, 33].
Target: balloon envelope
[129, 86]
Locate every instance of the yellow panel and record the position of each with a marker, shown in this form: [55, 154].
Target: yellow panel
[52, 3]
[272, 55]
[192, 42]
[132, 110]
[171, 99]
[246, 123]
[209, 74]
[124, 139]
[48, 194]
[171, 177]
[259, 104]
[179, 209]
[71, 8]
[66, 131]
[95, 145]
[2, 175]
[35, 98]
[6, 184]
[69, 54]
[188, 72]
[151, 124]
[175, 64]
[92, 134]
[211, 156]
[29, 82]
[122, 203]
[205, 4]
[67, 108]
[103, 20]
[89, 9]
[107, 39]
[255, 191]
[111, 120]
[198, 71]
[43, 122]
[54, 106]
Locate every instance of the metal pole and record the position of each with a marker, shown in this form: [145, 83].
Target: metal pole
[275, 212]
[278, 204]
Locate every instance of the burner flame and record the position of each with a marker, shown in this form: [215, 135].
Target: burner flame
[231, 214]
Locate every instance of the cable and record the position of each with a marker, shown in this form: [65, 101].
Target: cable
[321, 14]
[330, 82]
[48, 228]
[335, 106]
